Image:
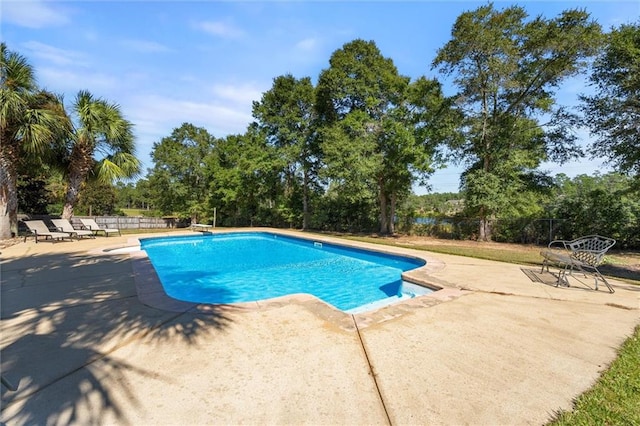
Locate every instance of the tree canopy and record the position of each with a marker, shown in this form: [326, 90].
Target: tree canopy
[100, 128]
[507, 70]
[613, 111]
[368, 134]
[179, 176]
[286, 115]
[32, 123]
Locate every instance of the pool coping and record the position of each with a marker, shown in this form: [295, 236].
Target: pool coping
[151, 292]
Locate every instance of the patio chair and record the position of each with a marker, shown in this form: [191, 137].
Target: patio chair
[92, 226]
[38, 229]
[200, 227]
[583, 254]
[65, 226]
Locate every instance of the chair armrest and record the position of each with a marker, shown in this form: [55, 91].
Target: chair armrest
[555, 244]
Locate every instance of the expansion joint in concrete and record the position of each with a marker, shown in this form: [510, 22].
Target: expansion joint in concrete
[373, 374]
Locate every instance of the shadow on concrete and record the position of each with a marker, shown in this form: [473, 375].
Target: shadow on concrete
[63, 316]
[629, 272]
[548, 278]
[578, 280]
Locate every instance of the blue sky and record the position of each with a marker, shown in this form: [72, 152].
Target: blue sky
[204, 62]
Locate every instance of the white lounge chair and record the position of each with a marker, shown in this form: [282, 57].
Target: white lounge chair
[200, 227]
[65, 226]
[583, 254]
[92, 226]
[38, 228]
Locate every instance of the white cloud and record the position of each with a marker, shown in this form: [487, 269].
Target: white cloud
[61, 80]
[238, 94]
[33, 14]
[308, 44]
[220, 29]
[53, 54]
[145, 46]
[154, 115]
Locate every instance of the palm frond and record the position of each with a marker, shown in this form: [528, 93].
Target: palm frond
[12, 106]
[16, 74]
[34, 132]
[118, 166]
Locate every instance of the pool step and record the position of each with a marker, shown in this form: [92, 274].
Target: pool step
[408, 291]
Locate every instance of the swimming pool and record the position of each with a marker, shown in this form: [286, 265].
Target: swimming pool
[252, 266]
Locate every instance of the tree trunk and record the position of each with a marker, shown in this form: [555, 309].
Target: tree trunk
[486, 228]
[392, 214]
[8, 198]
[81, 163]
[5, 220]
[305, 200]
[481, 230]
[387, 210]
[384, 218]
[71, 197]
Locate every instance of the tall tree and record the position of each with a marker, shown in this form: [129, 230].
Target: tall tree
[125, 195]
[97, 198]
[350, 165]
[31, 123]
[143, 195]
[179, 176]
[613, 112]
[368, 139]
[244, 182]
[100, 128]
[286, 115]
[507, 71]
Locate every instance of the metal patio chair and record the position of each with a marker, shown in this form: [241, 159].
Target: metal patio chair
[583, 254]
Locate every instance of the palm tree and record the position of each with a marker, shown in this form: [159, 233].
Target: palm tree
[101, 131]
[31, 121]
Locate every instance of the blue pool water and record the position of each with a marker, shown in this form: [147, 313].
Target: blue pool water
[245, 267]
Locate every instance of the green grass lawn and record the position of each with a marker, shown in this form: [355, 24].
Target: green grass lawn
[498, 253]
[615, 398]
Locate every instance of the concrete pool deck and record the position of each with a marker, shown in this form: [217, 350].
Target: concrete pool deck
[494, 347]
